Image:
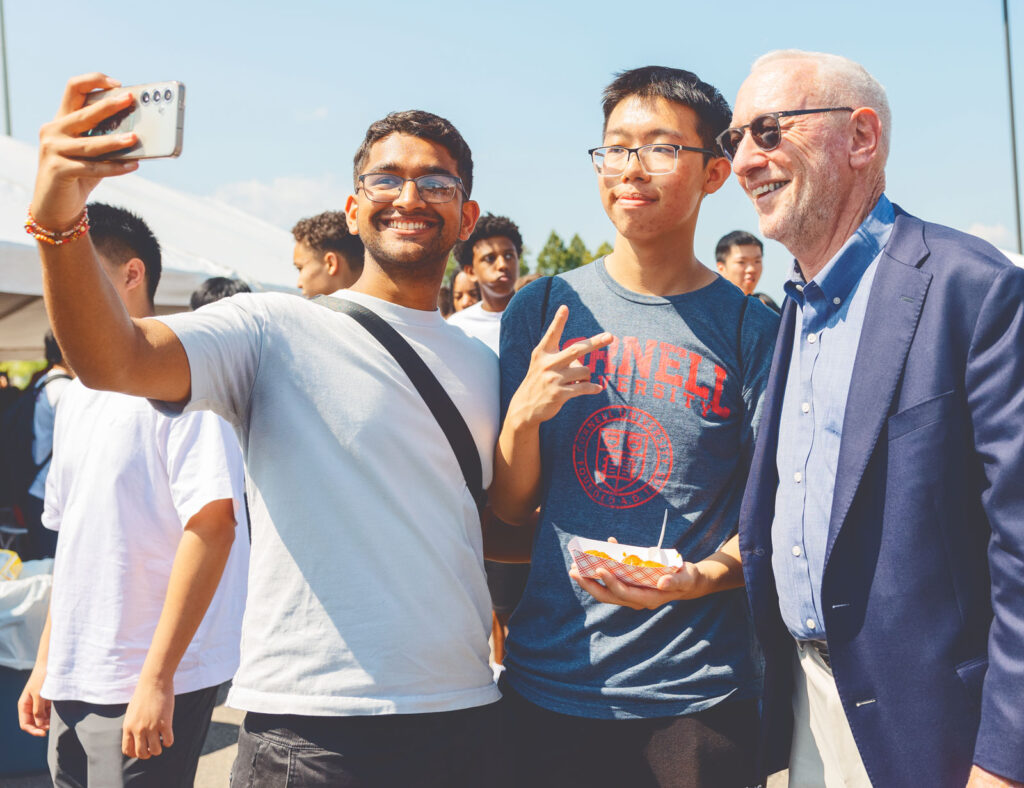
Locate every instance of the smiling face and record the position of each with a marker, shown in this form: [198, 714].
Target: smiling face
[645, 207]
[799, 187]
[408, 235]
[742, 266]
[495, 267]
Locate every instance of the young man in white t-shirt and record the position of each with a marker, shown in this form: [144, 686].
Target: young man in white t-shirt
[151, 515]
[490, 257]
[364, 651]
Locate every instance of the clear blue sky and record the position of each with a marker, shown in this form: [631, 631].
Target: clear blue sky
[280, 94]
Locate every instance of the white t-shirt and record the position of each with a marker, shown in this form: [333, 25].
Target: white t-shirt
[367, 592]
[478, 322]
[123, 483]
[47, 397]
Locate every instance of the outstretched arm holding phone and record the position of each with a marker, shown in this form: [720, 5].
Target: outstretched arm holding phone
[107, 348]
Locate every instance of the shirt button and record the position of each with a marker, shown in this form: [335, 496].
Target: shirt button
[837, 300]
[811, 625]
[812, 338]
[797, 477]
[805, 407]
[797, 550]
[800, 288]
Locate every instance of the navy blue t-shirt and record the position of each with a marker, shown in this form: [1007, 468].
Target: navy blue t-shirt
[673, 430]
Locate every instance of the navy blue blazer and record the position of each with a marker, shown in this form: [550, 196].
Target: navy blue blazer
[923, 586]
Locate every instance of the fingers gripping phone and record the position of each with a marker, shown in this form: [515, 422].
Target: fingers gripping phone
[157, 116]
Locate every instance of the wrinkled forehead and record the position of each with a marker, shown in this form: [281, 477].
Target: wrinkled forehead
[776, 87]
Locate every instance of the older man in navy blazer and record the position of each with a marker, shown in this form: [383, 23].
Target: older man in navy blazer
[882, 531]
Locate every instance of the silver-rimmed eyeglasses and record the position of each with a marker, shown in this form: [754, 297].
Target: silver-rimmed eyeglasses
[435, 187]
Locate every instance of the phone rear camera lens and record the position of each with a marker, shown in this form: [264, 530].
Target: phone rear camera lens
[144, 97]
[156, 95]
[167, 95]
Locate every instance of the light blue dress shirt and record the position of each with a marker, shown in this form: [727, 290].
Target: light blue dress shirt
[829, 316]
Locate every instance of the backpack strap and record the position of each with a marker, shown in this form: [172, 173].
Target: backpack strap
[39, 390]
[544, 306]
[429, 387]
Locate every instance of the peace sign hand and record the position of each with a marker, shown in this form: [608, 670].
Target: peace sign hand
[556, 375]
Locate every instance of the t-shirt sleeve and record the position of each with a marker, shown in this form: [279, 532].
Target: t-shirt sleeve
[520, 332]
[759, 331]
[204, 464]
[53, 498]
[223, 342]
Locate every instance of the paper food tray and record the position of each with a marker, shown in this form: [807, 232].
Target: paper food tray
[646, 576]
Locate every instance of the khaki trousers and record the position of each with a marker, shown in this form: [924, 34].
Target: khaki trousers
[824, 753]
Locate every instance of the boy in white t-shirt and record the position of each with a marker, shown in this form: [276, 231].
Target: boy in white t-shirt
[139, 634]
[490, 257]
[364, 647]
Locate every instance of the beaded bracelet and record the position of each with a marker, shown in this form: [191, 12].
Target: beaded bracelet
[41, 234]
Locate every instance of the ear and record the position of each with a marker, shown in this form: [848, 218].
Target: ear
[721, 267]
[134, 274]
[351, 212]
[468, 271]
[470, 213]
[865, 137]
[331, 263]
[716, 173]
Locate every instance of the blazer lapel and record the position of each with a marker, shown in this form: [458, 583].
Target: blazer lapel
[894, 308]
[759, 503]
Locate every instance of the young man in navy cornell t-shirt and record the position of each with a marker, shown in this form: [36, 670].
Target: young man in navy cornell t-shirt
[632, 386]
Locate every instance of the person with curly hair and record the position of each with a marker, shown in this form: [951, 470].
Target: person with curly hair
[327, 255]
[490, 258]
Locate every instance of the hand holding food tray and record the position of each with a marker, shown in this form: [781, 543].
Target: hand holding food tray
[637, 566]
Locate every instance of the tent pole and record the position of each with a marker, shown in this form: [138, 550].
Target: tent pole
[1013, 126]
[3, 62]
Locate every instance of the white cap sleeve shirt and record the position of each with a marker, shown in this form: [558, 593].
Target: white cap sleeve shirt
[479, 323]
[123, 484]
[367, 593]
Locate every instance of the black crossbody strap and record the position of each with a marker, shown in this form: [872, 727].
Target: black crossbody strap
[448, 417]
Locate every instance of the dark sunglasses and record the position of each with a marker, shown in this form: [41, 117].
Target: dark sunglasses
[765, 130]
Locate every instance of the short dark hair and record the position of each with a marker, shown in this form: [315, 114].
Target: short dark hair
[119, 235]
[215, 288]
[489, 226]
[735, 238]
[672, 84]
[52, 350]
[328, 232]
[425, 125]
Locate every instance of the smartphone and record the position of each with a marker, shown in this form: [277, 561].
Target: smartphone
[157, 116]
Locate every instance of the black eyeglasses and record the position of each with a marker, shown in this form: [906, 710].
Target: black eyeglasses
[658, 158]
[765, 130]
[436, 187]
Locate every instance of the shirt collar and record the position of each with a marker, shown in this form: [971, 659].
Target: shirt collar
[837, 279]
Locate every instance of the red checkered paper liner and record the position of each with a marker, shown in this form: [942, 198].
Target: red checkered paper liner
[646, 576]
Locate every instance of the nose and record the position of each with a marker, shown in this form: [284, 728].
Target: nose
[748, 156]
[633, 169]
[409, 197]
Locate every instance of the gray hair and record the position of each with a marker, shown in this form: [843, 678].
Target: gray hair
[838, 82]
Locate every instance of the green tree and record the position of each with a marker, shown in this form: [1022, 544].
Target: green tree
[552, 258]
[604, 249]
[577, 254]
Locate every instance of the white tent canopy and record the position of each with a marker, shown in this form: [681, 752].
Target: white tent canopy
[200, 237]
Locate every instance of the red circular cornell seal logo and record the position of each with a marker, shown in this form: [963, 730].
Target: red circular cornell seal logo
[622, 456]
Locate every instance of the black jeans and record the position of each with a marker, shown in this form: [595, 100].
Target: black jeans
[714, 748]
[85, 744]
[450, 749]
